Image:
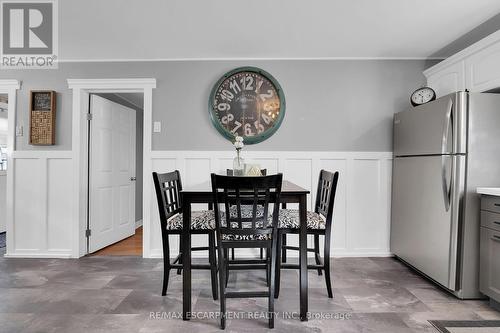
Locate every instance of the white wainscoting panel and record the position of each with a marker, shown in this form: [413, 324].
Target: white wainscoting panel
[59, 219]
[362, 206]
[3, 201]
[42, 204]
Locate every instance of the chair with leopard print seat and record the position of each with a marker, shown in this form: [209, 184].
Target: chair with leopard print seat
[168, 187]
[319, 222]
[258, 195]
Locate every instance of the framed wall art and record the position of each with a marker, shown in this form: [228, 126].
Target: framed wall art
[42, 117]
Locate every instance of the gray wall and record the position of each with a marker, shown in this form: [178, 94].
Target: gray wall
[476, 34]
[139, 121]
[332, 105]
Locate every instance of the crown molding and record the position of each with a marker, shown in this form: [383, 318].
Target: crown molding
[465, 53]
[122, 84]
[244, 59]
[9, 84]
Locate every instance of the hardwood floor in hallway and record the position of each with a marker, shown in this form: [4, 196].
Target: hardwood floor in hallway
[131, 246]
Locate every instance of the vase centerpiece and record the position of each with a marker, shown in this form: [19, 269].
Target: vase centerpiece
[238, 162]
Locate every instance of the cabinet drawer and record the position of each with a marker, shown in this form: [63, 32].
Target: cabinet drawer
[490, 203]
[490, 264]
[490, 220]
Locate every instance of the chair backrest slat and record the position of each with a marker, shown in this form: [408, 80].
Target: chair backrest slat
[168, 186]
[325, 195]
[252, 195]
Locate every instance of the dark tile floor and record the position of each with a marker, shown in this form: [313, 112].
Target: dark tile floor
[118, 294]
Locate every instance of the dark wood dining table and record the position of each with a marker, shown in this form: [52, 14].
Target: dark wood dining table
[202, 193]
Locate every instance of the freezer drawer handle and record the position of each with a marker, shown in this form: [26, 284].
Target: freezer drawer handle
[497, 204]
[496, 222]
[496, 238]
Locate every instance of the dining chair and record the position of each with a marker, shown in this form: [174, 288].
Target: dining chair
[319, 222]
[263, 172]
[168, 187]
[259, 230]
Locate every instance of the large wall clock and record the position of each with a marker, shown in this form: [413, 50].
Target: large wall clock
[247, 102]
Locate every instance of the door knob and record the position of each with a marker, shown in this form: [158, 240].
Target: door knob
[133, 179]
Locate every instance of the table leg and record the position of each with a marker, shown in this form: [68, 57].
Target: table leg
[303, 257]
[186, 260]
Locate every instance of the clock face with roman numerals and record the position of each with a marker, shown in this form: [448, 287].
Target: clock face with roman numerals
[247, 102]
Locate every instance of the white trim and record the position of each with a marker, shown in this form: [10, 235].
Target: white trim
[40, 255]
[42, 154]
[112, 85]
[138, 223]
[147, 170]
[465, 53]
[363, 254]
[7, 85]
[10, 87]
[157, 254]
[81, 88]
[245, 59]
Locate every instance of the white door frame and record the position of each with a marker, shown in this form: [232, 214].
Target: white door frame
[81, 88]
[10, 88]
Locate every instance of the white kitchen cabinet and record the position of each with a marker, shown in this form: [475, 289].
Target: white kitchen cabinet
[489, 272]
[476, 68]
[447, 80]
[482, 69]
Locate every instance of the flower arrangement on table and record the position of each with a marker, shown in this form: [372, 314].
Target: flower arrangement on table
[238, 163]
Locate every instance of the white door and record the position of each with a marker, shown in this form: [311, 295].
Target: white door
[112, 173]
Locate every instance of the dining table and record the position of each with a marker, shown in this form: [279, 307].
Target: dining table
[202, 194]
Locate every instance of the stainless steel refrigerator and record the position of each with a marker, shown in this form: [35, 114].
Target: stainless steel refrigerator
[443, 151]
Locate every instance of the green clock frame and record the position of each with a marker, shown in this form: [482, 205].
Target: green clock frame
[259, 137]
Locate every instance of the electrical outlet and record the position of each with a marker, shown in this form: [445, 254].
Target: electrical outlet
[157, 127]
[19, 130]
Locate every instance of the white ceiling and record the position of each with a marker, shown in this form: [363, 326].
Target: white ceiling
[214, 29]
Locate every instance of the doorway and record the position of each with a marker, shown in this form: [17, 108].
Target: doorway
[81, 90]
[3, 169]
[115, 171]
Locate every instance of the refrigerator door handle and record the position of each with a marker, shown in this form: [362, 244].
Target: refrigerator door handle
[447, 186]
[444, 145]
[446, 130]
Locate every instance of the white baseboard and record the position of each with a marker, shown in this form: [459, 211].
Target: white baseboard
[40, 255]
[138, 223]
[291, 254]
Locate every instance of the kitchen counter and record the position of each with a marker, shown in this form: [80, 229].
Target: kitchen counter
[489, 191]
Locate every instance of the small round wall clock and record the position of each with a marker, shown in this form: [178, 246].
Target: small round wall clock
[422, 95]
[247, 102]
